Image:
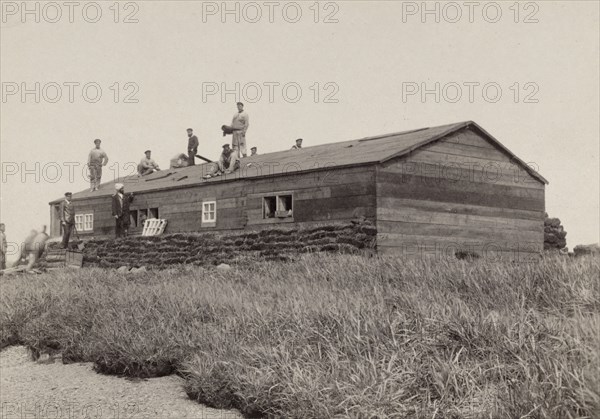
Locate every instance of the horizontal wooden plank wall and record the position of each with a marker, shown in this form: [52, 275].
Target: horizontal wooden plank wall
[459, 193]
[330, 195]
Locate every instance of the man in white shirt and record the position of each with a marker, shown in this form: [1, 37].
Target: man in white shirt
[147, 165]
[96, 159]
[240, 124]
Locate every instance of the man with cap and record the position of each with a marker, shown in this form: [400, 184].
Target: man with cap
[253, 151]
[96, 159]
[298, 145]
[147, 165]
[192, 147]
[228, 162]
[239, 125]
[67, 218]
[120, 210]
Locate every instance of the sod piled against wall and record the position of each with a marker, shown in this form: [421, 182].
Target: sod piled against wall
[215, 248]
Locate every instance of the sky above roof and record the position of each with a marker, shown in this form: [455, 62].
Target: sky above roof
[343, 70]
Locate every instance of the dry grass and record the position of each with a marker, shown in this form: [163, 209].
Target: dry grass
[334, 336]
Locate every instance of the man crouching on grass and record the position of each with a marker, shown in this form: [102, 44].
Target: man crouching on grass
[120, 210]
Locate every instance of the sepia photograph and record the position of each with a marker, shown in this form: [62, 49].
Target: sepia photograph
[300, 209]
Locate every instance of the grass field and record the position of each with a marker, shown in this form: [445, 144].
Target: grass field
[334, 335]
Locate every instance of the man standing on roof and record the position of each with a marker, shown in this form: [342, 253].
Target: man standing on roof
[120, 210]
[298, 145]
[239, 125]
[253, 151]
[96, 159]
[192, 147]
[147, 165]
[228, 162]
[67, 218]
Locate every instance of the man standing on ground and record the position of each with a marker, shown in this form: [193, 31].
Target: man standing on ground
[67, 218]
[240, 124]
[253, 151]
[192, 147]
[147, 165]
[96, 159]
[120, 210]
[298, 145]
[3, 247]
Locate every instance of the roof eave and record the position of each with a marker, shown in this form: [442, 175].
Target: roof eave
[221, 181]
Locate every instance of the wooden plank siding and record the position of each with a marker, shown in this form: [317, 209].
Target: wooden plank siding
[332, 195]
[439, 199]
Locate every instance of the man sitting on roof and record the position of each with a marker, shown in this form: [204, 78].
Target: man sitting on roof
[147, 165]
[298, 144]
[228, 163]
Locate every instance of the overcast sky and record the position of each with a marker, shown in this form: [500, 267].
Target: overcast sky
[330, 71]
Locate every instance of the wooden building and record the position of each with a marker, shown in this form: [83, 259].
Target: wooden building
[430, 191]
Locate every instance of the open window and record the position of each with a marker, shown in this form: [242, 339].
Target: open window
[142, 217]
[133, 218]
[137, 217]
[269, 206]
[278, 206]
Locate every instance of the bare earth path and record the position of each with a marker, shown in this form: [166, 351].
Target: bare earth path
[53, 390]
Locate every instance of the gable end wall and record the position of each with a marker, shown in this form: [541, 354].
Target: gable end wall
[461, 193]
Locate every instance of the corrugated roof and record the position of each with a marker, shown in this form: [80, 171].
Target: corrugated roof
[367, 150]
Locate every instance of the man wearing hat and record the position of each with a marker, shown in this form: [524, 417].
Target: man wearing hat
[298, 145]
[120, 210]
[147, 165]
[192, 147]
[228, 162]
[67, 218]
[253, 151]
[239, 125]
[96, 159]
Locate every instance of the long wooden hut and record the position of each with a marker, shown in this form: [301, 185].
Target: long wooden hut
[430, 190]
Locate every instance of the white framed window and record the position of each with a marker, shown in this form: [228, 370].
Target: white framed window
[88, 222]
[79, 222]
[209, 212]
[84, 222]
